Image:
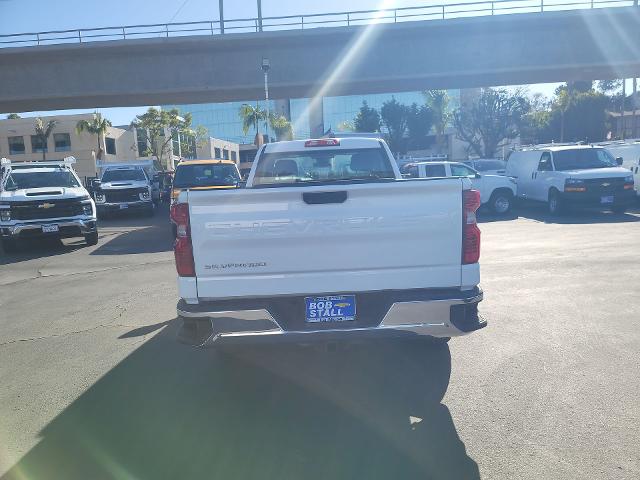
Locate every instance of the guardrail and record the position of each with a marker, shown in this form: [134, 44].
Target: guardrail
[296, 22]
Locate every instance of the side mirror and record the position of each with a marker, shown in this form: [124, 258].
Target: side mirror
[96, 184]
[619, 160]
[477, 175]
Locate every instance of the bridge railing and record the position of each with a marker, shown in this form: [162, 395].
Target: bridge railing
[295, 22]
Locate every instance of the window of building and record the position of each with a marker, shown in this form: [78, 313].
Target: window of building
[217, 153]
[142, 142]
[37, 145]
[16, 145]
[62, 142]
[110, 145]
[225, 154]
[234, 157]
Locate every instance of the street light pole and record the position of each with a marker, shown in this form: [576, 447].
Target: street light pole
[259, 15]
[221, 10]
[265, 69]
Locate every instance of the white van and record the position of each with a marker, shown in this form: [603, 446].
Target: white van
[571, 175]
[629, 151]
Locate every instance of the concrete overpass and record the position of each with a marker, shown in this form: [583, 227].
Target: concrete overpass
[457, 53]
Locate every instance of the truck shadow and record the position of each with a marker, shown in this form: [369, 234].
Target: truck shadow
[169, 411]
[578, 216]
[152, 239]
[33, 248]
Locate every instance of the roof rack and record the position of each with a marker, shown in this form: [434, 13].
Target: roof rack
[67, 162]
[552, 144]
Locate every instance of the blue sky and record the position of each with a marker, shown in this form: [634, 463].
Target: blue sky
[18, 16]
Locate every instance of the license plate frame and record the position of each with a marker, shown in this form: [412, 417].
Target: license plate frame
[606, 199]
[342, 308]
[53, 228]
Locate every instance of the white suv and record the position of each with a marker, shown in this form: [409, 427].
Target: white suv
[496, 191]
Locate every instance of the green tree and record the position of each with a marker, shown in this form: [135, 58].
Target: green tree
[162, 127]
[536, 121]
[438, 102]
[419, 123]
[346, 126]
[493, 118]
[578, 116]
[281, 126]
[98, 126]
[394, 117]
[251, 117]
[609, 86]
[367, 120]
[13, 116]
[43, 132]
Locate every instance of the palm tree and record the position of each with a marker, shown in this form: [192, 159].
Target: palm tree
[43, 132]
[438, 102]
[98, 126]
[251, 117]
[282, 127]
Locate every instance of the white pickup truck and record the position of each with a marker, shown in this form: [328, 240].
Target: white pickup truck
[326, 241]
[496, 191]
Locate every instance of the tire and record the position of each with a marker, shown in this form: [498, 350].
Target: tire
[91, 238]
[619, 209]
[554, 203]
[174, 230]
[501, 202]
[149, 212]
[9, 245]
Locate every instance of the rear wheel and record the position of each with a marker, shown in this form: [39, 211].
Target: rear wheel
[555, 203]
[91, 238]
[619, 209]
[9, 245]
[501, 202]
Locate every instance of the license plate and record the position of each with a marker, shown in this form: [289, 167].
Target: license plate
[50, 228]
[123, 206]
[336, 308]
[608, 199]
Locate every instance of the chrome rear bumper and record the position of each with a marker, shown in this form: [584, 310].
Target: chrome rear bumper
[443, 317]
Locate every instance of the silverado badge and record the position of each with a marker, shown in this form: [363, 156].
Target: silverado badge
[46, 205]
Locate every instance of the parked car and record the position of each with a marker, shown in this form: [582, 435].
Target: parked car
[204, 175]
[327, 240]
[630, 154]
[571, 175]
[44, 199]
[489, 166]
[497, 192]
[123, 187]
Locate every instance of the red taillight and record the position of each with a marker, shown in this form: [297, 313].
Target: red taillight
[182, 248]
[322, 142]
[470, 230]
[628, 186]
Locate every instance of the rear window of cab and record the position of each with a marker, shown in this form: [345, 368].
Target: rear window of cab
[323, 166]
[206, 175]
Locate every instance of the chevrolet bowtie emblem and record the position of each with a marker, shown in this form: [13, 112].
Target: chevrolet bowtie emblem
[606, 184]
[46, 205]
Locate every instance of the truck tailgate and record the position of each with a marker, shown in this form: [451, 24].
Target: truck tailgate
[270, 241]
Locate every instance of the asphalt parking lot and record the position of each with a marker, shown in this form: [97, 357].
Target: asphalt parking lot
[94, 386]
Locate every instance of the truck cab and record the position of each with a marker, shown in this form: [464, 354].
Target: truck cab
[124, 187]
[44, 199]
